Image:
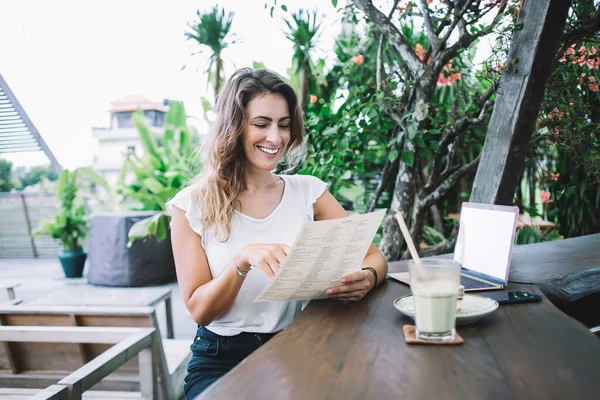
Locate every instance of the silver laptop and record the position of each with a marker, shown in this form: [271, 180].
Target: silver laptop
[484, 246]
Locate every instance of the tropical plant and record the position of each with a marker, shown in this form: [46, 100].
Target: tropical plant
[212, 30]
[163, 170]
[533, 234]
[303, 32]
[69, 227]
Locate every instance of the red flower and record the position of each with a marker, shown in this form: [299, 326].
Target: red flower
[545, 196]
[454, 77]
[313, 99]
[555, 176]
[357, 59]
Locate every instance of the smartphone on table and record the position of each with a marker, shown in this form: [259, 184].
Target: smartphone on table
[512, 297]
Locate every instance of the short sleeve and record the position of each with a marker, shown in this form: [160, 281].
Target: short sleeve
[314, 188]
[185, 201]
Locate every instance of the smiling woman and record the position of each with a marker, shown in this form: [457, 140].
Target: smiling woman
[239, 217]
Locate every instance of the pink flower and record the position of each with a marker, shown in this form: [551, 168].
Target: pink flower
[592, 79]
[545, 196]
[593, 50]
[593, 87]
[442, 80]
[357, 59]
[583, 50]
[555, 176]
[313, 99]
[590, 63]
[582, 62]
[571, 51]
[562, 59]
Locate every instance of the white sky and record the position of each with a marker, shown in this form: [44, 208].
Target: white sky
[66, 60]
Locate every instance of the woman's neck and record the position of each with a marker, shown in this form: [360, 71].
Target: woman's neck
[256, 180]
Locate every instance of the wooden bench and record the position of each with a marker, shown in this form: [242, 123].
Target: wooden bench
[170, 355]
[125, 344]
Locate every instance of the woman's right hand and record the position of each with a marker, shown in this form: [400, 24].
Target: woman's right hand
[265, 257]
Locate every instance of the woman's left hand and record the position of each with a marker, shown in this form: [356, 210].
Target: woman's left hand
[353, 287]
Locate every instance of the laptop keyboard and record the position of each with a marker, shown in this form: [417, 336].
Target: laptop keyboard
[470, 283]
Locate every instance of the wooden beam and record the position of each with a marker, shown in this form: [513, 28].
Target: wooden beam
[79, 310]
[54, 392]
[107, 362]
[83, 347]
[518, 100]
[10, 354]
[67, 334]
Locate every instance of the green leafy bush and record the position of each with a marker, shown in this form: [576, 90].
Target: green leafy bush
[163, 170]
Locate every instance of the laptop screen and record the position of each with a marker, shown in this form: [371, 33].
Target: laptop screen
[485, 238]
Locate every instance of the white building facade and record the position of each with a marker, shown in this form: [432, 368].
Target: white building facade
[121, 137]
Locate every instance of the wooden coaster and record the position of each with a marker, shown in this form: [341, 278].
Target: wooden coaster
[410, 337]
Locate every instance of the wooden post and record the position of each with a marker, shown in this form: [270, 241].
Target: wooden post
[33, 248]
[518, 100]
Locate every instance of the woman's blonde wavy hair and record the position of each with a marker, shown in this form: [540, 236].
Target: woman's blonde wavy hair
[223, 161]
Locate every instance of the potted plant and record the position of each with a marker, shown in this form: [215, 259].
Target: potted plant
[69, 227]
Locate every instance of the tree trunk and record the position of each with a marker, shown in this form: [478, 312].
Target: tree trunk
[531, 182]
[218, 75]
[402, 199]
[304, 86]
[438, 224]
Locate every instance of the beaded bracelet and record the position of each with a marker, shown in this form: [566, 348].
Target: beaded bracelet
[374, 273]
[241, 272]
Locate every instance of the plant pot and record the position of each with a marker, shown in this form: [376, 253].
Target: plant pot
[72, 262]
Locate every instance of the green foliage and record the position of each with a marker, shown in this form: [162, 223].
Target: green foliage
[533, 234]
[347, 128]
[34, 175]
[163, 170]
[564, 158]
[69, 226]
[303, 32]
[6, 179]
[432, 237]
[212, 30]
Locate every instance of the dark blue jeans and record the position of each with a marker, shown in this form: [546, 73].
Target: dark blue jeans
[214, 355]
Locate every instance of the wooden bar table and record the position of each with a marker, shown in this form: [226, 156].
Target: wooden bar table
[357, 351]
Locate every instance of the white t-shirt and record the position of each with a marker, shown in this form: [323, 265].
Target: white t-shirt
[281, 226]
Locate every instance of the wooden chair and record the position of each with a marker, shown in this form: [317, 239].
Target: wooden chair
[125, 343]
[34, 366]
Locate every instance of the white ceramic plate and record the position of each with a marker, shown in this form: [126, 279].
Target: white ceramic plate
[473, 308]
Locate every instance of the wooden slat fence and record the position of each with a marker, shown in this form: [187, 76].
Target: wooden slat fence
[20, 214]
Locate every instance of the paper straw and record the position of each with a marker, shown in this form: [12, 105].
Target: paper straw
[411, 246]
